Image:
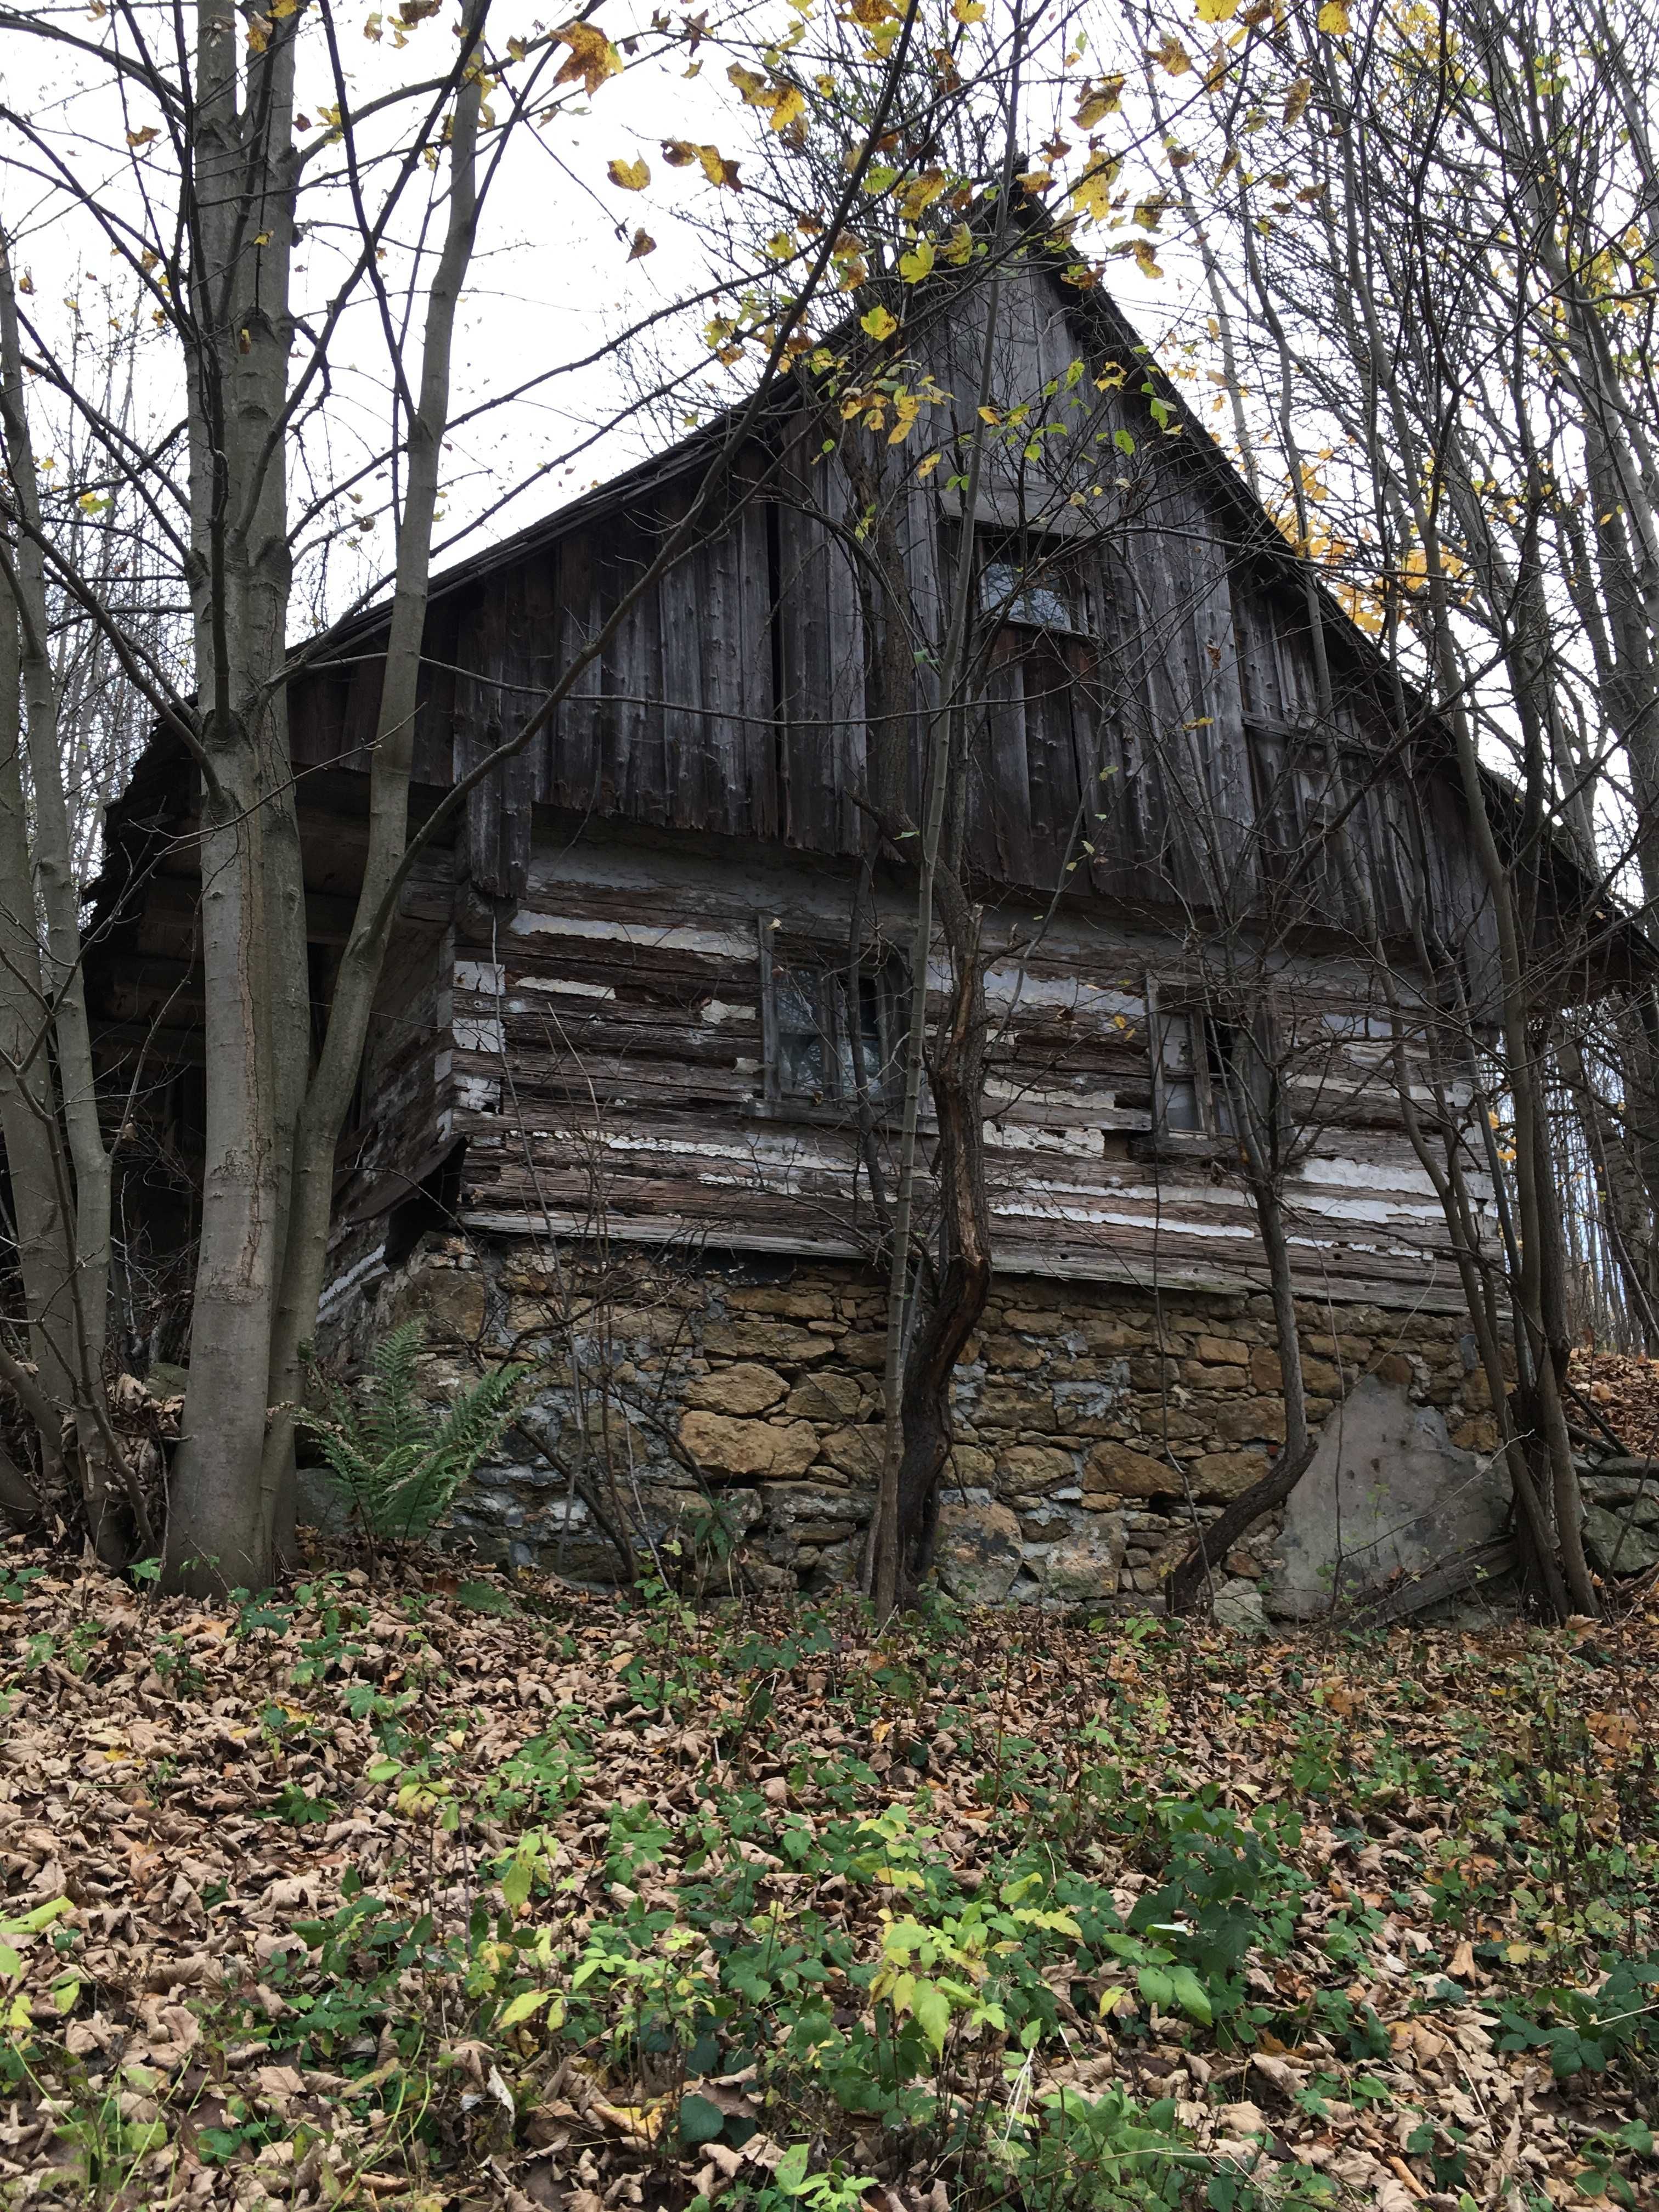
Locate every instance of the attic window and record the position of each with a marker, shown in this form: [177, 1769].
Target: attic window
[1032, 583]
[1014, 594]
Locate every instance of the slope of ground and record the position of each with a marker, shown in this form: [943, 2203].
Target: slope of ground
[1622, 1391]
[421, 1896]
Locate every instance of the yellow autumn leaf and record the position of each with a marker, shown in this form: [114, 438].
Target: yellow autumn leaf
[928, 462]
[677, 152]
[1217, 11]
[717, 168]
[1098, 100]
[958, 248]
[907, 406]
[968, 11]
[141, 137]
[1296, 101]
[629, 176]
[1146, 258]
[918, 262]
[878, 324]
[919, 194]
[788, 107]
[643, 243]
[1172, 58]
[592, 57]
[1334, 18]
[1092, 195]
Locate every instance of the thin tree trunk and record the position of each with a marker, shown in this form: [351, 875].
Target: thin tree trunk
[329, 1093]
[76, 1301]
[239, 196]
[956, 1076]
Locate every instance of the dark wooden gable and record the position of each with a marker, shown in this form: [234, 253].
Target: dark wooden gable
[1150, 754]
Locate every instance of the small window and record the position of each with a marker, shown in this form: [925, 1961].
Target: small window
[1215, 1076]
[1032, 584]
[1191, 1087]
[827, 1040]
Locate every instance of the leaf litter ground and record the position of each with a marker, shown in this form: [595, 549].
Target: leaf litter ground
[420, 1894]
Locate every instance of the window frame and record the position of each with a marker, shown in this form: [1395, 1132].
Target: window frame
[1061, 569]
[885, 974]
[1215, 1135]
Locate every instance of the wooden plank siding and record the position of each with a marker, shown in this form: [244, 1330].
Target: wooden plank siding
[610, 1070]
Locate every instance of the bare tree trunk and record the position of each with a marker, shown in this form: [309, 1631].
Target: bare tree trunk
[27, 1107]
[75, 1286]
[329, 1093]
[956, 1076]
[239, 205]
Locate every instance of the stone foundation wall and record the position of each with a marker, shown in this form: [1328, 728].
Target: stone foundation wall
[1093, 1420]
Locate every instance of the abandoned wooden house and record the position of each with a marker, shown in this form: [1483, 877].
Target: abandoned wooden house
[636, 1004]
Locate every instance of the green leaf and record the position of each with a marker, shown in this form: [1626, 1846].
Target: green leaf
[790, 2173]
[523, 2005]
[700, 2121]
[931, 2008]
[1157, 1987]
[1123, 441]
[1190, 1994]
[516, 1883]
[10, 1964]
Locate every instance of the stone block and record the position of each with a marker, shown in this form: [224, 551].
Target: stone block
[725, 1446]
[1251, 1420]
[1478, 1434]
[1388, 1494]
[1149, 1373]
[826, 1394]
[1130, 1474]
[1110, 1332]
[1002, 1406]
[1394, 1367]
[1084, 1565]
[1037, 1320]
[1223, 1351]
[1619, 1545]
[1026, 1468]
[855, 1452]
[1266, 1371]
[867, 1351]
[1008, 1353]
[1218, 1476]
[1238, 1604]
[973, 1463]
[449, 1301]
[977, 1553]
[742, 1388]
[777, 1341]
[1200, 1376]
[791, 1305]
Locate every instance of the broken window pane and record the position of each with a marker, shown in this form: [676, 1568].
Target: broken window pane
[1014, 594]
[801, 1056]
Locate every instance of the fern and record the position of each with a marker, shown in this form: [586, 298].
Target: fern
[397, 1462]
